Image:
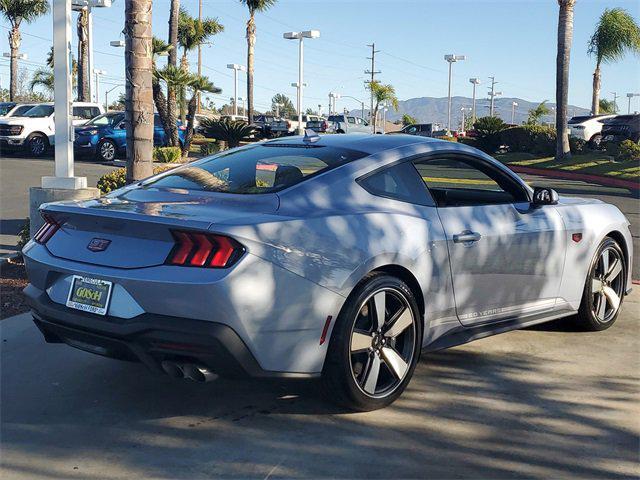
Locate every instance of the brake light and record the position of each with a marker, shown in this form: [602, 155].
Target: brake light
[198, 249]
[325, 126]
[288, 124]
[46, 231]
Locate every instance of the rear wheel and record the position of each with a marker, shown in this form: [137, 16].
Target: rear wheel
[37, 145]
[375, 345]
[595, 141]
[107, 150]
[604, 288]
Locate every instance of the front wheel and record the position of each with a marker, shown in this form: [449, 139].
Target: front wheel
[37, 145]
[375, 345]
[596, 141]
[604, 288]
[107, 150]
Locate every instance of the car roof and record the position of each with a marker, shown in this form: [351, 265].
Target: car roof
[363, 142]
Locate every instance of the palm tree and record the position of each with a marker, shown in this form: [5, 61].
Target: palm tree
[565, 37]
[174, 18]
[253, 6]
[161, 48]
[16, 12]
[83, 55]
[197, 84]
[191, 33]
[139, 92]
[232, 132]
[42, 77]
[535, 114]
[381, 93]
[616, 34]
[607, 106]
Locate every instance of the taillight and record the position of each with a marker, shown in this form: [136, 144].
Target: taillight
[47, 230]
[325, 126]
[198, 249]
[288, 124]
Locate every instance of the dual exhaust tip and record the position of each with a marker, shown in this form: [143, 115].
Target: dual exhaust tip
[191, 371]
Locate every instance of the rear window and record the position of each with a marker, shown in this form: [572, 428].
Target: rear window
[580, 119]
[257, 169]
[623, 119]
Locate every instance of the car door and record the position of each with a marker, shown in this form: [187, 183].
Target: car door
[506, 256]
[158, 132]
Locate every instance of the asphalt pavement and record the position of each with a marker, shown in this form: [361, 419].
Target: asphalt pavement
[545, 402]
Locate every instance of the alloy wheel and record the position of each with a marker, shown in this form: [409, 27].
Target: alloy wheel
[383, 342]
[37, 146]
[607, 285]
[107, 151]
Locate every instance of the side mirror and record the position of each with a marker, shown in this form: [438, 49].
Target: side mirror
[544, 196]
[121, 126]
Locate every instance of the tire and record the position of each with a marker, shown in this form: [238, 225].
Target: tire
[604, 288]
[360, 349]
[596, 141]
[339, 131]
[37, 145]
[107, 150]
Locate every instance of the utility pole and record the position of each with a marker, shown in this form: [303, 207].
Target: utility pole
[630, 96]
[615, 102]
[475, 82]
[199, 52]
[373, 72]
[492, 95]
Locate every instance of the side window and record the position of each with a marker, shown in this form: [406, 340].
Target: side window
[465, 182]
[398, 182]
[351, 120]
[84, 113]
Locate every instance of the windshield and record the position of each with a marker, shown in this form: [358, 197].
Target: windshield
[39, 111]
[258, 169]
[5, 107]
[105, 119]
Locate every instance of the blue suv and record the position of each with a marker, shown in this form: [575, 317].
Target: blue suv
[105, 136]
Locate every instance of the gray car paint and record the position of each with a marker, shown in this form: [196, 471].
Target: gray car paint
[309, 245]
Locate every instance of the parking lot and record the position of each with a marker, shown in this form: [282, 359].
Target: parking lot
[547, 402]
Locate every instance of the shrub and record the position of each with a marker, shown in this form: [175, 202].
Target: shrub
[117, 179]
[628, 151]
[24, 234]
[578, 145]
[230, 131]
[488, 130]
[536, 139]
[167, 154]
[209, 148]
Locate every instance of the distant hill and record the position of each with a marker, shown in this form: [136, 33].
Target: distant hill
[431, 109]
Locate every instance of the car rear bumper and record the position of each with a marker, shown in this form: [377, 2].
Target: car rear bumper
[149, 338]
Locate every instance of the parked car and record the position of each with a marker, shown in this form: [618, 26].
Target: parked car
[264, 123]
[105, 136]
[234, 117]
[287, 126]
[588, 128]
[343, 261]
[622, 127]
[13, 109]
[321, 125]
[34, 130]
[420, 129]
[349, 124]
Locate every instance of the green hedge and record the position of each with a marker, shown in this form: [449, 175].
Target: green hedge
[536, 139]
[625, 151]
[117, 179]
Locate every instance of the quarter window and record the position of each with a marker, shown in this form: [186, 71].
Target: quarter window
[398, 182]
[463, 182]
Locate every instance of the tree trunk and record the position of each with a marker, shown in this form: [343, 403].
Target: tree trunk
[375, 117]
[565, 37]
[595, 99]
[172, 132]
[83, 56]
[14, 44]
[188, 136]
[139, 89]
[184, 65]
[160, 101]
[251, 45]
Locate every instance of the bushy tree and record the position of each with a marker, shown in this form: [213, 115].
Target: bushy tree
[536, 114]
[408, 120]
[287, 110]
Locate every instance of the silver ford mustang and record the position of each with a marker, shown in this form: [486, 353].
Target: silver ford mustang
[341, 257]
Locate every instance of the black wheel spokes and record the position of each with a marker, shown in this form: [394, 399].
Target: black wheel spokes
[382, 342]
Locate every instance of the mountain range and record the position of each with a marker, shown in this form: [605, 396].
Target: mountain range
[434, 110]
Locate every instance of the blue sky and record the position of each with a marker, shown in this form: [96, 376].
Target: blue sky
[513, 40]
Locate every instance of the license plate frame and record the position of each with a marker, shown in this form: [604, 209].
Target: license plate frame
[83, 291]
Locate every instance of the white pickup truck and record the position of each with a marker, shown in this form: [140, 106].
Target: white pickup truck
[34, 130]
[290, 127]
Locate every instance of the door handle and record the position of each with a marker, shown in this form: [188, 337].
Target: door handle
[467, 237]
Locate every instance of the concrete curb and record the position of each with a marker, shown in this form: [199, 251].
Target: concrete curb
[583, 177]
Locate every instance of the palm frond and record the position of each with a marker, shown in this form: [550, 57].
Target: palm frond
[616, 34]
[17, 11]
[258, 5]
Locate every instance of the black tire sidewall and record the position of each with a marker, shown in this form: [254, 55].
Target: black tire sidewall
[339, 382]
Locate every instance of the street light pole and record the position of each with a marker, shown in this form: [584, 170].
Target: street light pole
[235, 67]
[615, 102]
[106, 96]
[513, 112]
[300, 36]
[630, 96]
[451, 59]
[475, 82]
[97, 72]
